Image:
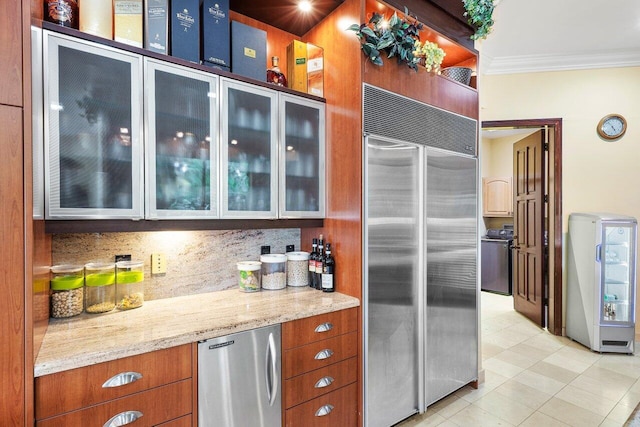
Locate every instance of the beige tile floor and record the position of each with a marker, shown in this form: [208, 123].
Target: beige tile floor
[535, 379]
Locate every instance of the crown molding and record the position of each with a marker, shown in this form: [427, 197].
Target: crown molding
[559, 62]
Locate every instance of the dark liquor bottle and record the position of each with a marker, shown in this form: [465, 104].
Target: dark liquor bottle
[62, 12]
[319, 261]
[312, 263]
[328, 270]
[274, 75]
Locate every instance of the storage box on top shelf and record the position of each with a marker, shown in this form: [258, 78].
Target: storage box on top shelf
[156, 23]
[127, 22]
[216, 45]
[248, 51]
[305, 67]
[185, 29]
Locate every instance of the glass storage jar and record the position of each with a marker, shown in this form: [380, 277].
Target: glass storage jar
[274, 271]
[249, 276]
[67, 290]
[129, 284]
[100, 289]
[297, 268]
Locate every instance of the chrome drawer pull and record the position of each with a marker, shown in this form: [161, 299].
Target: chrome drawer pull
[324, 327]
[324, 382]
[121, 379]
[123, 418]
[324, 354]
[324, 410]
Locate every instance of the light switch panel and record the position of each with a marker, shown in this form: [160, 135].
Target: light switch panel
[158, 263]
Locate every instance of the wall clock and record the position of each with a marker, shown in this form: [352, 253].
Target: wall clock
[612, 126]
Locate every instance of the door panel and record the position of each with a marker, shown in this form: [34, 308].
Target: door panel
[528, 283]
[394, 224]
[452, 333]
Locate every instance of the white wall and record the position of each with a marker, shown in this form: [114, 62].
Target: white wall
[596, 175]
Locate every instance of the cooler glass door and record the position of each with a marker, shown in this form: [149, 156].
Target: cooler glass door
[617, 259]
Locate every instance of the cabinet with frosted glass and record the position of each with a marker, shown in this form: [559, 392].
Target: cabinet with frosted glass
[249, 150]
[302, 154]
[181, 119]
[93, 131]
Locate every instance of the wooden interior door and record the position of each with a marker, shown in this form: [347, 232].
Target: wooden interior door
[528, 259]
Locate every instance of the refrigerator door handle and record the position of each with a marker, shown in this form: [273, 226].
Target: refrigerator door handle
[271, 371]
[598, 253]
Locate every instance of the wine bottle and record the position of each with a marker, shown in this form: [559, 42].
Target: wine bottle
[319, 261]
[62, 12]
[328, 270]
[312, 263]
[274, 75]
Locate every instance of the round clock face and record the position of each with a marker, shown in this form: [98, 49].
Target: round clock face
[612, 126]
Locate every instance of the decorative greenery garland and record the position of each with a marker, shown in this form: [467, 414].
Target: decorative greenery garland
[479, 14]
[399, 37]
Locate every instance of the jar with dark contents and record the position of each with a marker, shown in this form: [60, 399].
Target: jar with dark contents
[62, 12]
[67, 290]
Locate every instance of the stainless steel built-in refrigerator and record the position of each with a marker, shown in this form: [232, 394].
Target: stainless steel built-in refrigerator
[421, 284]
[601, 281]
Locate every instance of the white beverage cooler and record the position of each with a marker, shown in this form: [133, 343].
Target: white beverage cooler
[601, 281]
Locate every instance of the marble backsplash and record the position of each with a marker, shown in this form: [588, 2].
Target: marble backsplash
[197, 261]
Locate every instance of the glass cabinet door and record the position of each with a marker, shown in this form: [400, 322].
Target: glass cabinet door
[181, 152]
[249, 151]
[93, 132]
[302, 174]
[618, 273]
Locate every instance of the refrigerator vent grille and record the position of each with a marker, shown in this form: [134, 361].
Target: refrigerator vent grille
[394, 116]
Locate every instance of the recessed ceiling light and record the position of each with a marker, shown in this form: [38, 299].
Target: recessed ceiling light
[305, 6]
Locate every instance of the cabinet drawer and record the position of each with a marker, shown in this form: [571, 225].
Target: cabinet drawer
[186, 421]
[316, 328]
[338, 408]
[77, 388]
[308, 386]
[319, 354]
[156, 406]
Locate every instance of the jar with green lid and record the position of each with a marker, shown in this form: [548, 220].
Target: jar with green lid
[129, 284]
[100, 289]
[67, 290]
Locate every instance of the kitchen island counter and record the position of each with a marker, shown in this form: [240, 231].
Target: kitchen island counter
[88, 339]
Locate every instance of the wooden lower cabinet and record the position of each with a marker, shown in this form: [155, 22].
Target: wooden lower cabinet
[319, 354]
[157, 385]
[338, 408]
[321, 381]
[186, 421]
[320, 370]
[153, 407]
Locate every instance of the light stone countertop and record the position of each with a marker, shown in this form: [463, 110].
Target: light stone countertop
[88, 339]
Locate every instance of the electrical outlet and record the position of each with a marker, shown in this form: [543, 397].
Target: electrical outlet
[265, 250]
[290, 248]
[158, 263]
[123, 258]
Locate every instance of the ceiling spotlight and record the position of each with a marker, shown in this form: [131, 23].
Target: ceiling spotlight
[304, 6]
